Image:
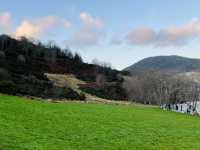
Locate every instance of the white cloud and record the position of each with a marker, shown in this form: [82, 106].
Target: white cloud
[5, 19]
[171, 36]
[47, 21]
[28, 30]
[84, 38]
[90, 21]
[141, 36]
[35, 28]
[66, 23]
[90, 33]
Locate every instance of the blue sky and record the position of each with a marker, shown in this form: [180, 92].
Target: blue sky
[120, 32]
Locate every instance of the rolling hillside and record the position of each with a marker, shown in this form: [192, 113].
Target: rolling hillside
[37, 125]
[24, 63]
[172, 64]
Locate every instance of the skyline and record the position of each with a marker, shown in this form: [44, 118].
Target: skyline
[121, 33]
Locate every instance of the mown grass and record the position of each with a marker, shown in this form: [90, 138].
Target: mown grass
[35, 125]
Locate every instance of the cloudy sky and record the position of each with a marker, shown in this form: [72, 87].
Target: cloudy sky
[117, 31]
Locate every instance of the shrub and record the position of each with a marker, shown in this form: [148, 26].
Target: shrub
[7, 86]
[2, 54]
[82, 96]
[112, 92]
[64, 93]
[73, 95]
[4, 74]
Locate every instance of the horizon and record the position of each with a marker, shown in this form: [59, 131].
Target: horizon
[122, 35]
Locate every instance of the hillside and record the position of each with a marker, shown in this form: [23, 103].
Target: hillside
[172, 64]
[92, 95]
[192, 76]
[37, 125]
[24, 65]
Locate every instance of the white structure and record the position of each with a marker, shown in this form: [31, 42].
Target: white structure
[187, 107]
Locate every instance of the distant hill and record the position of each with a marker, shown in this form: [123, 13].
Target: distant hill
[171, 64]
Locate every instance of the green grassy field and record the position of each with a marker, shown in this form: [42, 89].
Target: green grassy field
[35, 125]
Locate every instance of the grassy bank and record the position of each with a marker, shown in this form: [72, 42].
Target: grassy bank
[35, 125]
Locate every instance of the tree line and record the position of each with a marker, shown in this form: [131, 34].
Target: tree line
[159, 88]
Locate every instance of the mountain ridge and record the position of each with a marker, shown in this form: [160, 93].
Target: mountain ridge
[170, 63]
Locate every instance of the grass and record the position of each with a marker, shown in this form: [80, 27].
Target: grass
[63, 80]
[35, 125]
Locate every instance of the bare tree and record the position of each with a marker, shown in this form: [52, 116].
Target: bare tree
[100, 80]
[158, 88]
